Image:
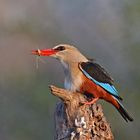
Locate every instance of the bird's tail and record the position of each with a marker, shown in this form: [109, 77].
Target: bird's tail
[123, 112]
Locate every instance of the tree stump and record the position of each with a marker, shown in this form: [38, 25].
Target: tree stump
[75, 121]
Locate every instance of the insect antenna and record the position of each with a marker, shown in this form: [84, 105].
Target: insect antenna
[39, 59]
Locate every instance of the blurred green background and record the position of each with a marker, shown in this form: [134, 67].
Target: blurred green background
[107, 30]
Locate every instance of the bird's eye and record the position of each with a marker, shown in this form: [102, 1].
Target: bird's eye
[60, 48]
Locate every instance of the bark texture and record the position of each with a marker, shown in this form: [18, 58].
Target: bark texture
[75, 121]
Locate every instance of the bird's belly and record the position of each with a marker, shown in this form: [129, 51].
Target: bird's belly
[92, 88]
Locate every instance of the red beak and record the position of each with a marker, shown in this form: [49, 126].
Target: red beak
[46, 52]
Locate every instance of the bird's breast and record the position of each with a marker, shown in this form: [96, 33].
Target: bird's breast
[73, 83]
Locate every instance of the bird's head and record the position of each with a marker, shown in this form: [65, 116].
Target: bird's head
[63, 52]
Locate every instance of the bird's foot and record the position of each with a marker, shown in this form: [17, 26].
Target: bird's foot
[91, 102]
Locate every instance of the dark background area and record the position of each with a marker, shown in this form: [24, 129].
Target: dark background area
[107, 30]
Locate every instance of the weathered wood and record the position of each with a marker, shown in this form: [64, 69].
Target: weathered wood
[75, 121]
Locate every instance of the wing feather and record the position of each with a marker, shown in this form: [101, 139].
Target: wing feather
[98, 75]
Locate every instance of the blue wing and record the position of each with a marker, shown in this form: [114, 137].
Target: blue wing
[99, 76]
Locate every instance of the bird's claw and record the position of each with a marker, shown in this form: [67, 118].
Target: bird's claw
[91, 102]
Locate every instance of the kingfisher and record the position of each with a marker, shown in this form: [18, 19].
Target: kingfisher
[85, 76]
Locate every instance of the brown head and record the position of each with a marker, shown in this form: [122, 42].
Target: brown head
[64, 52]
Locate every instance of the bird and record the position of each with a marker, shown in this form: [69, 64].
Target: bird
[86, 76]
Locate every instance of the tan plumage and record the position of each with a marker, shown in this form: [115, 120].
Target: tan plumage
[70, 58]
